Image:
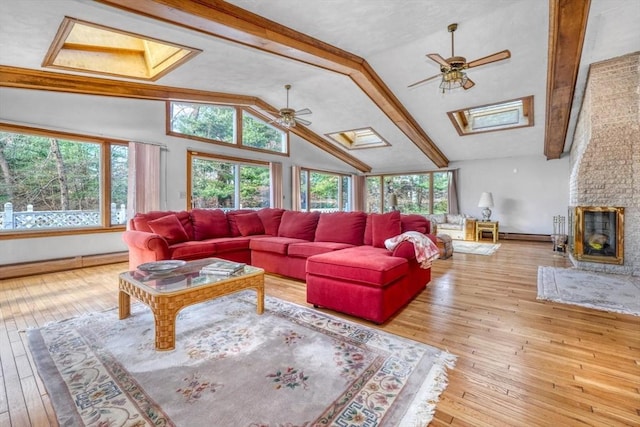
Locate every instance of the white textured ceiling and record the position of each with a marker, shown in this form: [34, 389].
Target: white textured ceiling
[392, 36]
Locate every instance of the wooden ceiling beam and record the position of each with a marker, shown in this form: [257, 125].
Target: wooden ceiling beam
[25, 78]
[567, 28]
[224, 20]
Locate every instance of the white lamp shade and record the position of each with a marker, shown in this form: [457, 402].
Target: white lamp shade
[486, 200]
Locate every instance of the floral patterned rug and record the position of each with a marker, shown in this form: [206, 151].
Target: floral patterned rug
[292, 366]
[608, 292]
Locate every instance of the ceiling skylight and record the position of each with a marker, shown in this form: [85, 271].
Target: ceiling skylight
[87, 47]
[358, 138]
[505, 115]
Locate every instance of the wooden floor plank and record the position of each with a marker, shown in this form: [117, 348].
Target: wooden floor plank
[521, 361]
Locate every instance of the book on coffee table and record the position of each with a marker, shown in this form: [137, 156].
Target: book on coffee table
[222, 267]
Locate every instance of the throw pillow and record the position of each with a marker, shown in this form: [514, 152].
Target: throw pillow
[233, 225]
[249, 224]
[341, 227]
[415, 222]
[170, 228]
[209, 224]
[299, 225]
[271, 218]
[385, 226]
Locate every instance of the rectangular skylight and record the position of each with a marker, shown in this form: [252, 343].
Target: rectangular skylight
[505, 115]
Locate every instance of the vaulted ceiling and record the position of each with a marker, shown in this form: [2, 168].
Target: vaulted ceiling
[350, 62]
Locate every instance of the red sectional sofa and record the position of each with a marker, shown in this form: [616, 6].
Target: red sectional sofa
[341, 255]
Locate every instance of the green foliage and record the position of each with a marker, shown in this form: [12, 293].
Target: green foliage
[32, 175]
[258, 134]
[203, 120]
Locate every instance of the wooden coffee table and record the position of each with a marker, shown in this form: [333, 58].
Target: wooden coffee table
[167, 294]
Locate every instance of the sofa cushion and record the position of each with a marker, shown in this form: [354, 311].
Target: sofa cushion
[170, 228]
[384, 226]
[271, 218]
[231, 244]
[249, 224]
[276, 245]
[234, 231]
[299, 225]
[192, 250]
[209, 224]
[415, 222]
[341, 227]
[307, 249]
[363, 264]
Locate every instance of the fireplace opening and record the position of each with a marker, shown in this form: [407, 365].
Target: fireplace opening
[599, 234]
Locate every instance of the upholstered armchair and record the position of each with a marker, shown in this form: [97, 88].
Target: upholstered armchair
[454, 225]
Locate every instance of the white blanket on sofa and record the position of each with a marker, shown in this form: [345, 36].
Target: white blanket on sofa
[426, 250]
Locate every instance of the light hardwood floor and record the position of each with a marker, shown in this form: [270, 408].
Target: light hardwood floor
[521, 362]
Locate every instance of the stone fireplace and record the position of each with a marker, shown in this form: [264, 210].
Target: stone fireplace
[605, 170]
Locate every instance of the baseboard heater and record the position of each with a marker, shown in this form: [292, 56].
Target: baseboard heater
[61, 264]
[526, 237]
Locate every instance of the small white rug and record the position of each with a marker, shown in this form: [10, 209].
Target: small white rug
[476, 248]
[608, 292]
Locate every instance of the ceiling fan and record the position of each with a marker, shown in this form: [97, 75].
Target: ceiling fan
[452, 69]
[289, 116]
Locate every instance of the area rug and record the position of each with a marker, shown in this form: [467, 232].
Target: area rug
[291, 366]
[476, 248]
[608, 292]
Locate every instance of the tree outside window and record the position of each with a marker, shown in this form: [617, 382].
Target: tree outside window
[423, 193]
[324, 191]
[225, 184]
[53, 182]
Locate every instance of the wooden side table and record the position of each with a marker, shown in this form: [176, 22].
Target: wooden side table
[491, 226]
[470, 229]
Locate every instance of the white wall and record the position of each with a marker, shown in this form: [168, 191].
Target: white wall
[126, 119]
[527, 191]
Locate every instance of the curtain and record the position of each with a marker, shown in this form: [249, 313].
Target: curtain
[275, 175]
[359, 192]
[144, 178]
[295, 188]
[453, 192]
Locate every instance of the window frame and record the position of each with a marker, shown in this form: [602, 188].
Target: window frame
[191, 154]
[105, 183]
[340, 190]
[237, 142]
[383, 199]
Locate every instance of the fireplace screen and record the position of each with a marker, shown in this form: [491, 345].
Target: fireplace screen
[599, 233]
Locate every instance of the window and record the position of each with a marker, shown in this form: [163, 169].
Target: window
[205, 121]
[258, 134]
[423, 193]
[53, 182]
[219, 124]
[324, 191]
[511, 114]
[358, 138]
[88, 47]
[227, 183]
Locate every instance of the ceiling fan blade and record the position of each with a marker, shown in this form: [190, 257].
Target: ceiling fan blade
[468, 84]
[498, 56]
[303, 112]
[439, 59]
[424, 81]
[303, 121]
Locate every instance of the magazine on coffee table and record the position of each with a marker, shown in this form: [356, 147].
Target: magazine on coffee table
[223, 267]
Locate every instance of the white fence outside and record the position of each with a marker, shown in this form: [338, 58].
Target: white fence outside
[35, 220]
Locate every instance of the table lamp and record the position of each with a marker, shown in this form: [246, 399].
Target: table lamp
[486, 202]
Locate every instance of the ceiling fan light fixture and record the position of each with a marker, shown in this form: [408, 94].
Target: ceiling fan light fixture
[453, 79]
[287, 118]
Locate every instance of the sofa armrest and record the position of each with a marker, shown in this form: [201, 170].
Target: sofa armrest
[145, 242]
[405, 249]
